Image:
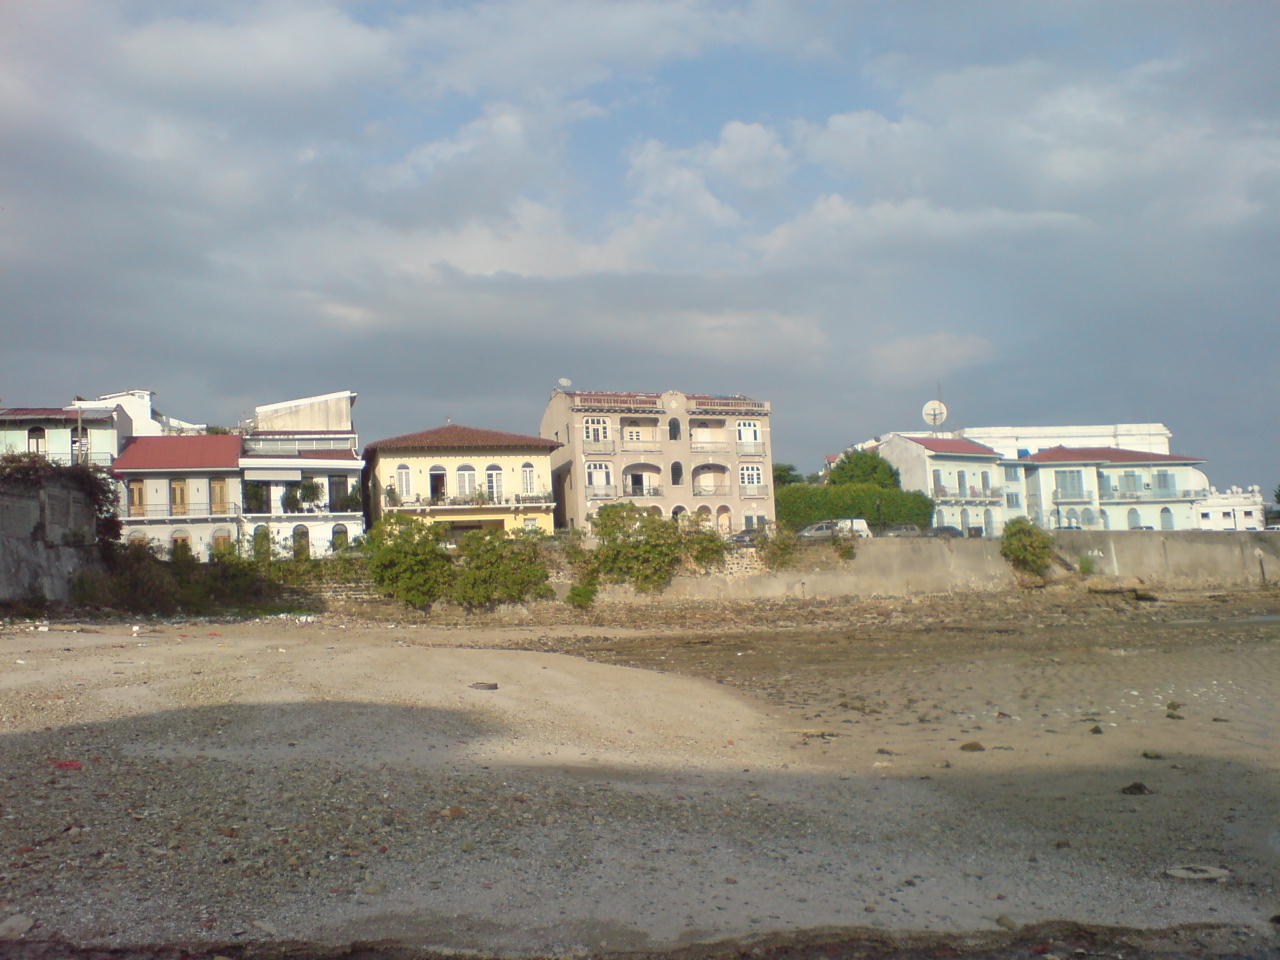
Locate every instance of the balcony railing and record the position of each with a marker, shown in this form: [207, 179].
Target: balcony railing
[720, 490]
[474, 500]
[196, 509]
[1072, 496]
[602, 492]
[709, 446]
[597, 446]
[754, 490]
[649, 445]
[648, 491]
[1168, 494]
[750, 448]
[943, 492]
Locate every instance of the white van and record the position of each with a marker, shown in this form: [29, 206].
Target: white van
[853, 527]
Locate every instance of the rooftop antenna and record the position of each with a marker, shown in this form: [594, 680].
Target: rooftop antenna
[935, 412]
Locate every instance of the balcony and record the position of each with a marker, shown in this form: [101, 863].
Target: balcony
[1072, 496]
[750, 448]
[975, 494]
[597, 447]
[641, 492]
[645, 445]
[1113, 495]
[709, 446]
[196, 510]
[719, 490]
[474, 500]
[602, 492]
[753, 490]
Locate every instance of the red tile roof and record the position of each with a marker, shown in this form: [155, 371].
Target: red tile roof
[455, 436]
[1062, 454]
[954, 445]
[217, 452]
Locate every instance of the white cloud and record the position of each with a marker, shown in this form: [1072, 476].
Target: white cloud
[922, 358]
[750, 155]
[666, 180]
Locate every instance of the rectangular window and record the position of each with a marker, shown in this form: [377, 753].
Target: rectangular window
[748, 431]
[528, 481]
[1069, 483]
[750, 475]
[466, 482]
[177, 498]
[137, 499]
[1013, 500]
[218, 495]
[493, 485]
[530, 523]
[595, 429]
[633, 434]
[1011, 474]
[1204, 515]
[1164, 482]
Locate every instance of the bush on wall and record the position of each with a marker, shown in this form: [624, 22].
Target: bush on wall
[801, 504]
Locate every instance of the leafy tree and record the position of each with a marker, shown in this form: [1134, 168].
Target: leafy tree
[1026, 546]
[408, 560]
[32, 469]
[784, 474]
[865, 466]
[493, 568]
[802, 504]
[645, 549]
[1276, 495]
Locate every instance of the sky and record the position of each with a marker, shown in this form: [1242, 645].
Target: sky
[1046, 213]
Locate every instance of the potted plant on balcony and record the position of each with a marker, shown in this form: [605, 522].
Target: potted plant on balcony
[310, 492]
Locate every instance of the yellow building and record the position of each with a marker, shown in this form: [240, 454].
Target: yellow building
[469, 478]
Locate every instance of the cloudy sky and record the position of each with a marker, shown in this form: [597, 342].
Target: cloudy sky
[1052, 212]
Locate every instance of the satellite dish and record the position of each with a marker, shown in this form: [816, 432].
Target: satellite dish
[566, 382]
[934, 412]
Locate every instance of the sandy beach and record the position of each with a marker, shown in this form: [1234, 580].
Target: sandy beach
[948, 765]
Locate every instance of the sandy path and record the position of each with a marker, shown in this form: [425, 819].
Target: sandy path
[277, 780]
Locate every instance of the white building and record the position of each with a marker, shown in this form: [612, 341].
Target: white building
[295, 489]
[1236, 508]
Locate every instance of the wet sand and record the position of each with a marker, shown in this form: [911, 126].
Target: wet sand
[624, 789]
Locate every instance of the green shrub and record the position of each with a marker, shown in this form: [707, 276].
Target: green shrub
[583, 593]
[636, 547]
[1026, 546]
[493, 568]
[801, 504]
[846, 548]
[1086, 566]
[778, 549]
[407, 560]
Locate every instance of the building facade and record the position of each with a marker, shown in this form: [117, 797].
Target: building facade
[967, 481]
[291, 491]
[674, 453]
[466, 477]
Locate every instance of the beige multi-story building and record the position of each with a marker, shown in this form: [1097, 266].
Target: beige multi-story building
[465, 477]
[674, 453]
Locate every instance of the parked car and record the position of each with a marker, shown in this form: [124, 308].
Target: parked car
[945, 532]
[903, 530]
[841, 527]
[748, 537]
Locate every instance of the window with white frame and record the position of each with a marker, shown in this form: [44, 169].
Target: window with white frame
[748, 431]
[466, 480]
[402, 481]
[1013, 500]
[595, 429]
[750, 475]
[528, 479]
[1011, 474]
[493, 482]
[599, 475]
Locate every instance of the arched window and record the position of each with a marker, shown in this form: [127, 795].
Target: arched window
[1106, 520]
[301, 543]
[1135, 518]
[1086, 518]
[466, 475]
[221, 540]
[137, 539]
[599, 480]
[986, 481]
[677, 474]
[1073, 519]
[179, 542]
[961, 485]
[940, 520]
[402, 481]
[528, 479]
[988, 524]
[673, 428]
[35, 440]
[1166, 518]
[493, 482]
[338, 540]
[677, 512]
